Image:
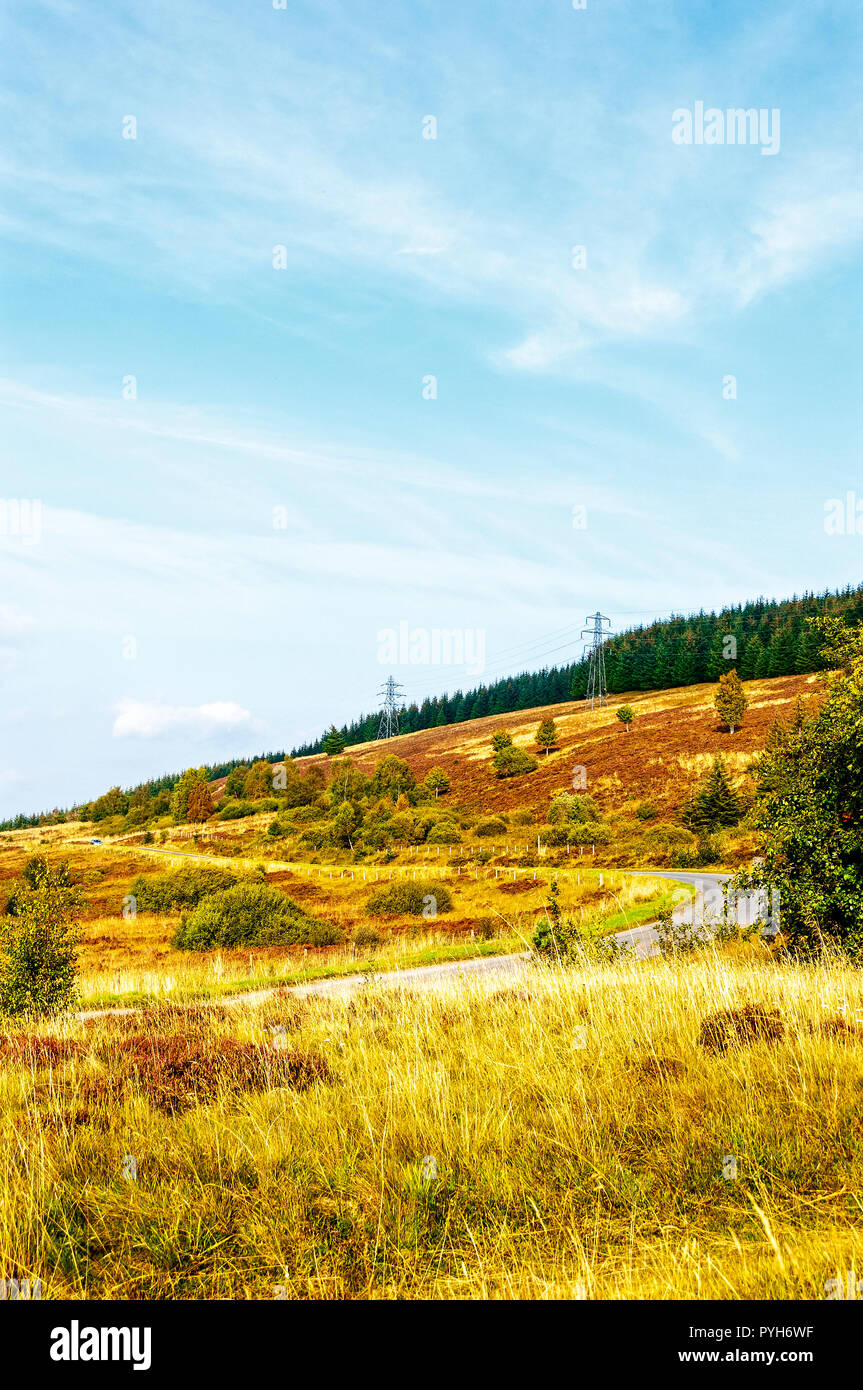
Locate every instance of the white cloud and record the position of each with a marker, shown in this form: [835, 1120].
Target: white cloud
[13, 622]
[149, 719]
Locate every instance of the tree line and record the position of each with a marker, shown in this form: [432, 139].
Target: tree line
[759, 639]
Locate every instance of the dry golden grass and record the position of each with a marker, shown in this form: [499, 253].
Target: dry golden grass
[580, 1133]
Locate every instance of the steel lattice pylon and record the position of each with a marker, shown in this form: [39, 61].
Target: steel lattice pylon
[389, 725]
[597, 690]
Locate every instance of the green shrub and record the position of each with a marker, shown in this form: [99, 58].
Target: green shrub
[410, 898]
[669, 837]
[306, 814]
[444, 833]
[578, 810]
[491, 825]
[522, 817]
[646, 811]
[513, 762]
[40, 949]
[366, 936]
[181, 887]
[590, 834]
[708, 850]
[553, 835]
[251, 914]
[236, 810]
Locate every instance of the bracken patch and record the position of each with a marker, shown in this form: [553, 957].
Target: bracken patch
[838, 1028]
[29, 1049]
[177, 1072]
[741, 1027]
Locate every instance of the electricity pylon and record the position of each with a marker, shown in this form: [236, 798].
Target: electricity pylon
[389, 725]
[597, 690]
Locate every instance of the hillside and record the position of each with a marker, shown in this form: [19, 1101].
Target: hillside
[673, 737]
[767, 638]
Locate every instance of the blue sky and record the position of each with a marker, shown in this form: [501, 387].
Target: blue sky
[301, 388]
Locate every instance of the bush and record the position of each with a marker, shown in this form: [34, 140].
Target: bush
[251, 914]
[669, 837]
[306, 814]
[402, 826]
[522, 817]
[366, 936]
[558, 937]
[276, 830]
[513, 762]
[708, 850]
[410, 899]
[40, 949]
[491, 825]
[181, 887]
[554, 835]
[444, 833]
[646, 811]
[578, 810]
[589, 834]
[236, 810]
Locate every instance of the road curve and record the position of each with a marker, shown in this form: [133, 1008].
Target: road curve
[418, 977]
[643, 939]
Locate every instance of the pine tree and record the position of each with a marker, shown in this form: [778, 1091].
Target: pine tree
[333, 742]
[715, 803]
[546, 735]
[625, 715]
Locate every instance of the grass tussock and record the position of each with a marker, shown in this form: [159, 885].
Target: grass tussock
[580, 1128]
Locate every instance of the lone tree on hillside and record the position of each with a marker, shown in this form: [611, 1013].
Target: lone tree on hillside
[626, 716]
[546, 736]
[333, 742]
[437, 781]
[502, 739]
[730, 700]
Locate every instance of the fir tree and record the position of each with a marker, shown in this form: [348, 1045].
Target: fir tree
[333, 743]
[626, 716]
[546, 736]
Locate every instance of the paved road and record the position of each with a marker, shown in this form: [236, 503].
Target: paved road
[644, 940]
[708, 899]
[419, 977]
